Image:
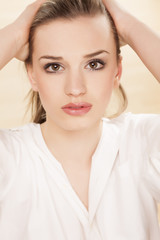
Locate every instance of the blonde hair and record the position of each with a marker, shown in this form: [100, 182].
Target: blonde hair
[69, 9]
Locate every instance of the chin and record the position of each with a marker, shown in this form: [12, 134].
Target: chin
[76, 124]
[79, 123]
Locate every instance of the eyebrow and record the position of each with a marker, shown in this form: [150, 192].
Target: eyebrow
[86, 56]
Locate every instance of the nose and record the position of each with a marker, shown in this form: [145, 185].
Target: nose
[75, 84]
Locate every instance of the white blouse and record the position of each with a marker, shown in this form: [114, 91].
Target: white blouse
[37, 201]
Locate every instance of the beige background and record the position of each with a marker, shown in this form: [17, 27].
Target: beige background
[142, 89]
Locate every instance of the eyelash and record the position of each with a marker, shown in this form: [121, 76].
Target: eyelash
[92, 61]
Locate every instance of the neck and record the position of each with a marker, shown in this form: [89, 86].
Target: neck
[72, 147]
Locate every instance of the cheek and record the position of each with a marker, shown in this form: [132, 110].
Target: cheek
[49, 96]
[47, 86]
[102, 85]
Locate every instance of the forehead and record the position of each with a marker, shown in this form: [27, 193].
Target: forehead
[80, 35]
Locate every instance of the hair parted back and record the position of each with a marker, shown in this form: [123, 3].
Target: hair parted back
[69, 10]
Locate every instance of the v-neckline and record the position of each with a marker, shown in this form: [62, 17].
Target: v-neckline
[51, 156]
[56, 170]
[60, 167]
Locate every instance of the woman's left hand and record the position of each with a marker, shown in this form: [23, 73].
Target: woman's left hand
[118, 15]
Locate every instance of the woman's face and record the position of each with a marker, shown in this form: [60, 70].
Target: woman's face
[74, 62]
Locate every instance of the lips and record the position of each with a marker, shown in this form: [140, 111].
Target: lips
[77, 109]
[77, 105]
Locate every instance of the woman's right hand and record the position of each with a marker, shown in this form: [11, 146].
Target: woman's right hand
[23, 23]
[14, 37]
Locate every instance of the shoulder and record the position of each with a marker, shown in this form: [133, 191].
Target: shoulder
[136, 122]
[139, 151]
[12, 139]
[142, 128]
[144, 125]
[15, 150]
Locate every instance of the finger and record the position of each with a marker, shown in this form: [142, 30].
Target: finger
[36, 5]
[40, 2]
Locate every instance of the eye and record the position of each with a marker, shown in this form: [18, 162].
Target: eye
[96, 64]
[53, 67]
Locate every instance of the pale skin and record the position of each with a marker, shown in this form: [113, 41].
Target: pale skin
[144, 41]
[17, 46]
[75, 138]
[74, 142]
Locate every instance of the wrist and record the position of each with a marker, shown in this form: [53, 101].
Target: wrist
[129, 26]
[18, 36]
[9, 38]
[123, 20]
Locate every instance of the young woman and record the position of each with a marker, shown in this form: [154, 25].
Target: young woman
[72, 173]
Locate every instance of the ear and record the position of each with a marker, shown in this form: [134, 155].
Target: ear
[32, 77]
[118, 74]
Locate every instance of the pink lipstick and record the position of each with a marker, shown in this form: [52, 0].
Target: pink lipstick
[77, 109]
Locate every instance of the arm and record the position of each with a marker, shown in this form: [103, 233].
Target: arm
[141, 38]
[14, 37]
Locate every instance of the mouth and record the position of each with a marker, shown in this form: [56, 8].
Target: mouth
[77, 109]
